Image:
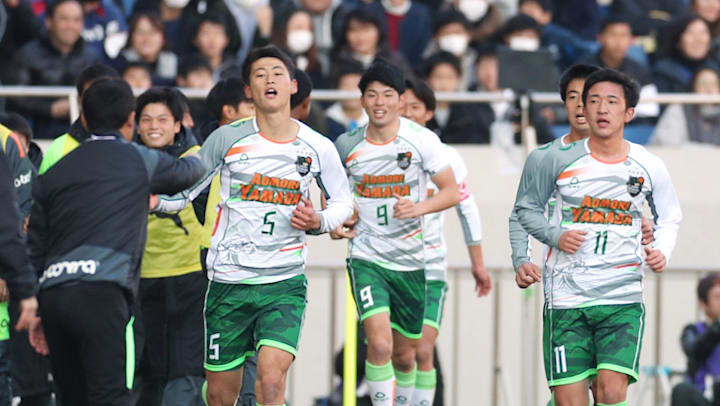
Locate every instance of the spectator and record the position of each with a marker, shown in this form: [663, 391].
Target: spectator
[484, 16]
[226, 103]
[694, 123]
[53, 60]
[580, 17]
[172, 284]
[648, 16]
[363, 41]
[254, 19]
[455, 123]
[407, 25]
[521, 33]
[18, 125]
[452, 34]
[302, 108]
[211, 40]
[22, 27]
[615, 40]
[567, 46]
[708, 10]
[328, 18]
[147, 44]
[105, 27]
[137, 74]
[688, 48]
[346, 115]
[195, 72]
[700, 342]
[294, 33]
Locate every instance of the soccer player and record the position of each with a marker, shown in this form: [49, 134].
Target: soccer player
[388, 162]
[257, 290]
[419, 107]
[594, 311]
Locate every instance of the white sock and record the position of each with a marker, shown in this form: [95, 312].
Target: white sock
[381, 381]
[424, 393]
[405, 387]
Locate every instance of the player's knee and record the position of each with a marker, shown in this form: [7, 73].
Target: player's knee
[271, 384]
[611, 392]
[218, 395]
[380, 348]
[424, 354]
[404, 360]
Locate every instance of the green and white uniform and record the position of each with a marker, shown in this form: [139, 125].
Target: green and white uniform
[261, 184]
[604, 199]
[387, 248]
[434, 239]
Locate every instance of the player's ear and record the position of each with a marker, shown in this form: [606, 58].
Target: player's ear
[629, 114]
[248, 94]
[429, 114]
[293, 86]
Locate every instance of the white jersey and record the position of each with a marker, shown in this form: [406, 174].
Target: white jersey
[604, 199]
[468, 213]
[376, 172]
[261, 184]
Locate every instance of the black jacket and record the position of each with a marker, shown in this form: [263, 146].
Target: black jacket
[14, 264]
[90, 210]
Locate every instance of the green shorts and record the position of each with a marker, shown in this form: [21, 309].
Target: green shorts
[402, 294]
[435, 293]
[240, 318]
[579, 342]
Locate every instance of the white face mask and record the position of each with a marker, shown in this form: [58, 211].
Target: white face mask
[176, 3]
[395, 10]
[524, 44]
[299, 41]
[473, 9]
[247, 4]
[456, 44]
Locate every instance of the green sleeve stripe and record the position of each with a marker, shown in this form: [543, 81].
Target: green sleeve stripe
[129, 353]
[62, 146]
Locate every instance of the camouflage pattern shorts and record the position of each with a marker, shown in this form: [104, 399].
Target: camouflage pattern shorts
[239, 319]
[579, 342]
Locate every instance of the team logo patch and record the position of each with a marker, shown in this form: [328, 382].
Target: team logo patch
[403, 159]
[303, 165]
[634, 185]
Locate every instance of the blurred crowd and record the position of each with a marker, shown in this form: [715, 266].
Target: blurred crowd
[455, 45]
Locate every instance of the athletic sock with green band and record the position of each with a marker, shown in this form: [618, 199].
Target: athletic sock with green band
[424, 393]
[381, 381]
[203, 392]
[405, 387]
[624, 403]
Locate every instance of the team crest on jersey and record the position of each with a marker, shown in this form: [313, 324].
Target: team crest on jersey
[634, 185]
[303, 165]
[403, 159]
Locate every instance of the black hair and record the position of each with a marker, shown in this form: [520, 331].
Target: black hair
[269, 51]
[192, 64]
[546, 5]
[577, 71]
[52, 7]
[707, 283]
[614, 18]
[304, 88]
[362, 14]
[345, 66]
[136, 65]
[230, 91]
[631, 89]
[702, 68]
[212, 17]
[93, 73]
[107, 104]
[423, 92]
[450, 16]
[385, 73]
[17, 123]
[485, 50]
[440, 58]
[184, 101]
[162, 95]
[520, 22]
[672, 35]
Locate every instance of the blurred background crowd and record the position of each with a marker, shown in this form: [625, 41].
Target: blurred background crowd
[455, 45]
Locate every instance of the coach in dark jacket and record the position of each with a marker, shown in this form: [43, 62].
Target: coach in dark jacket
[87, 235]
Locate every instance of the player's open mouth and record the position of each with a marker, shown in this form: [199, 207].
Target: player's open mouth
[580, 119]
[154, 136]
[271, 93]
[379, 113]
[603, 123]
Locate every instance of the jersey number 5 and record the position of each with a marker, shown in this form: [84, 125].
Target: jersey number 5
[267, 222]
[214, 347]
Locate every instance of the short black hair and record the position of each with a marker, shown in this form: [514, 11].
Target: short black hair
[230, 91]
[17, 123]
[93, 73]
[385, 73]
[345, 66]
[442, 57]
[269, 51]
[136, 65]
[485, 50]
[184, 101]
[193, 63]
[521, 22]
[304, 88]
[546, 5]
[53, 5]
[614, 18]
[577, 71]
[450, 16]
[707, 283]
[107, 104]
[162, 95]
[631, 89]
[423, 92]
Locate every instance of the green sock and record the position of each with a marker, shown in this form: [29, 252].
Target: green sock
[623, 403]
[405, 386]
[204, 394]
[381, 382]
[424, 393]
